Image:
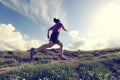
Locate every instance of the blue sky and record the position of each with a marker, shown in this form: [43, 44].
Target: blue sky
[86, 20]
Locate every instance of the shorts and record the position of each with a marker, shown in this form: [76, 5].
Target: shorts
[54, 37]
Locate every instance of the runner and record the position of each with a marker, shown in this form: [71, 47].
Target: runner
[53, 39]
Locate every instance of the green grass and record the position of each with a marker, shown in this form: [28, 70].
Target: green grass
[84, 65]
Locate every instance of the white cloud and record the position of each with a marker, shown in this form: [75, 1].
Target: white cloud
[77, 42]
[106, 24]
[74, 34]
[104, 31]
[38, 9]
[88, 42]
[14, 40]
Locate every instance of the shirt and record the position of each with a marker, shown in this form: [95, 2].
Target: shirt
[57, 27]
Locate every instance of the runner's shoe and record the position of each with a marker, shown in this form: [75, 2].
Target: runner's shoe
[32, 53]
[62, 57]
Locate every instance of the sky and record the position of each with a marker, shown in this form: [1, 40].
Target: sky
[91, 24]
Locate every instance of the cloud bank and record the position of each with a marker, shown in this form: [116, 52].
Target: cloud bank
[37, 10]
[14, 40]
[104, 31]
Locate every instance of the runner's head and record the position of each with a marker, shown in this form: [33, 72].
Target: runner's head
[56, 20]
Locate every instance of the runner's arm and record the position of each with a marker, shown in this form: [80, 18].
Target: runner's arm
[49, 31]
[64, 28]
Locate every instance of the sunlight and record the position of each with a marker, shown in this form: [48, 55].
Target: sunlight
[104, 31]
[106, 19]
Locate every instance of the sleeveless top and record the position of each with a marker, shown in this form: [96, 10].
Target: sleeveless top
[57, 27]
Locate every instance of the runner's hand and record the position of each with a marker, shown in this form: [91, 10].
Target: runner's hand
[48, 36]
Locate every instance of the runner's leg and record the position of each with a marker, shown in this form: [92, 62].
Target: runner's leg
[61, 51]
[43, 47]
[61, 48]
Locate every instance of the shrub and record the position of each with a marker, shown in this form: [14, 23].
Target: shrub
[94, 71]
[51, 72]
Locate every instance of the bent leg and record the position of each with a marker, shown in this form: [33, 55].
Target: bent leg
[61, 48]
[61, 51]
[43, 47]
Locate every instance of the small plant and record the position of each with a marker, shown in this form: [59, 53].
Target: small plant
[82, 65]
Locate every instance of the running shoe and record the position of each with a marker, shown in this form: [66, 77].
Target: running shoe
[32, 53]
[62, 57]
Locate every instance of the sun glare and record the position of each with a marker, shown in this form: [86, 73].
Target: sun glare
[105, 26]
[107, 18]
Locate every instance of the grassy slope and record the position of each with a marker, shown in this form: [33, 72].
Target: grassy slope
[85, 65]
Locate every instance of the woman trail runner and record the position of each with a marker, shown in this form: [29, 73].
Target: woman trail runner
[53, 39]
